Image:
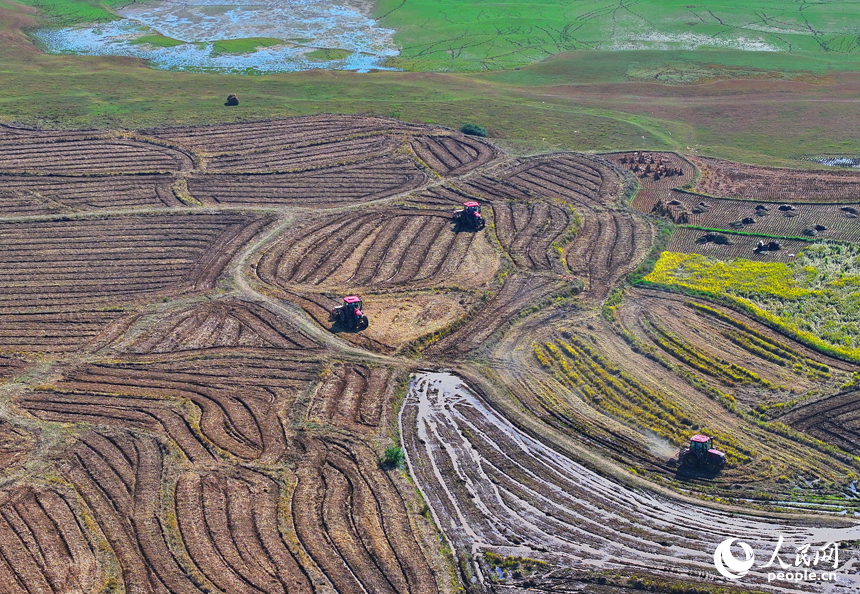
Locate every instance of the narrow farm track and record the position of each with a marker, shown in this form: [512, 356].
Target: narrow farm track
[178, 415]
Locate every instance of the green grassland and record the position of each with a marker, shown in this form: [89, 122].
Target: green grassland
[815, 297]
[157, 40]
[455, 35]
[243, 46]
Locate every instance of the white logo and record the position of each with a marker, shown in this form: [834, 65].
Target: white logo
[728, 565]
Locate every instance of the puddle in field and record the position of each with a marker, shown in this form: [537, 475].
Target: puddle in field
[852, 162]
[301, 26]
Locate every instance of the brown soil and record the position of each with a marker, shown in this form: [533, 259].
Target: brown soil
[178, 414]
[750, 182]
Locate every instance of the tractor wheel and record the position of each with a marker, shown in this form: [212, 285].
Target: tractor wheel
[363, 323]
[352, 322]
[691, 460]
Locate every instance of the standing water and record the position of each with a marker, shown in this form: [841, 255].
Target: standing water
[281, 36]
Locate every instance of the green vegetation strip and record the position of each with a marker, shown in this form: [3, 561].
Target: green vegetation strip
[748, 234]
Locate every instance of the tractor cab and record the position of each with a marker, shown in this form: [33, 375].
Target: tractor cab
[350, 313]
[352, 303]
[701, 443]
[470, 215]
[472, 209]
[702, 453]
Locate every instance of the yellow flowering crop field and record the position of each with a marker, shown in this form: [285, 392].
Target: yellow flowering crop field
[816, 298]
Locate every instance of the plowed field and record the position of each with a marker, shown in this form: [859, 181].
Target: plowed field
[179, 415]
[748, 182]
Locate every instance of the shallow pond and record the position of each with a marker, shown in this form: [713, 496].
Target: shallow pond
[184, 35]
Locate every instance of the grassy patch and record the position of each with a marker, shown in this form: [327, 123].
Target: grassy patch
[815, 298]
[327, 54]
[64, 13]
[157, 41]
[242, 46]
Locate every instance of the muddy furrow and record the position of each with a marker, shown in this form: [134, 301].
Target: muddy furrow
[552, 507]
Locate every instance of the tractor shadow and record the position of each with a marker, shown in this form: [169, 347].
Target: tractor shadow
[338, 328]
[684, 472]
[460, 228]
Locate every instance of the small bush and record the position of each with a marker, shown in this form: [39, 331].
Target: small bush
[392, 458]
[474, 130]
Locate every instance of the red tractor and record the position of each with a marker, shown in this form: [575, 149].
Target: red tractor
[470, 216]
[701, 454]
[349, 314]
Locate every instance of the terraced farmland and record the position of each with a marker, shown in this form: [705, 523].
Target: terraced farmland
[179, 414]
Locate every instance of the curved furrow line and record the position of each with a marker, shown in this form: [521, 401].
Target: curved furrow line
[121, 411]
[167, 573]
[25, 572]
[436, 157]
[421, 244]
[271, 262]
[220, 528]
[484, 473]
[220, 418]
[222, 138]
[400, 250]
[335, 250]
[339, 524]
[372, 260]
[299, 157]
[114, 524]
[257, 533]
[365, 516]
[202, 534]
[447, 247]
[327, 187]
[396, 529]
[308, 517]
[518, 290]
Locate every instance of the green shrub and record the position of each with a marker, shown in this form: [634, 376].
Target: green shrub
[392, 458]
[474, 130]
